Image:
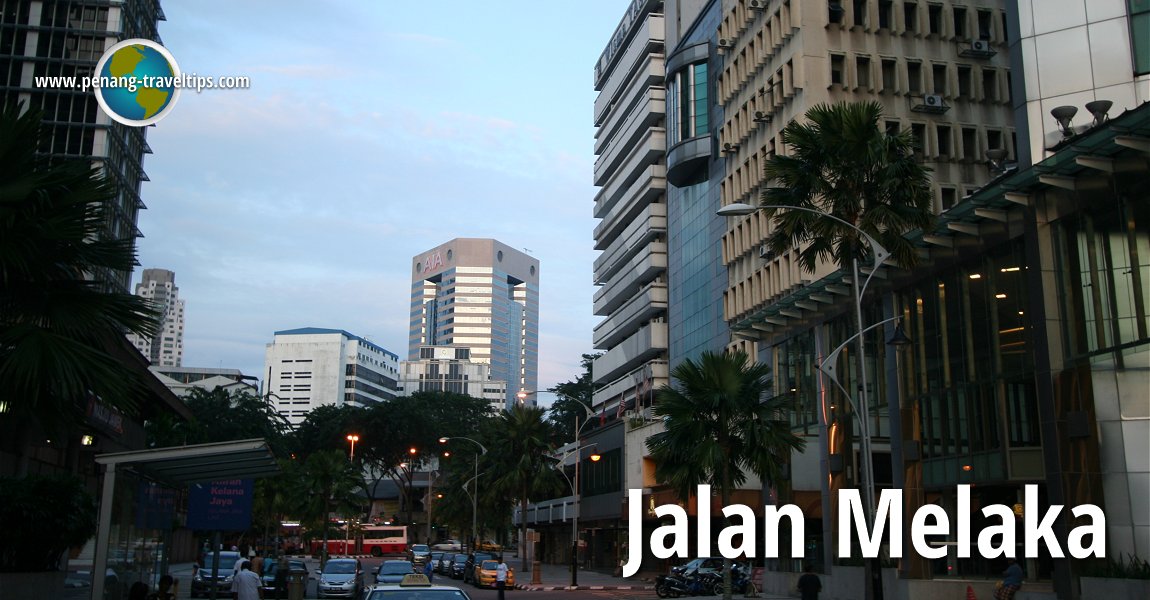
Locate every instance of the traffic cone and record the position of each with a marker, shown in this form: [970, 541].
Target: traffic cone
[970, 593]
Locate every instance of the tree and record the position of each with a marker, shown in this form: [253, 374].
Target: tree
[573, 396]
[327, 482]
[220, 415]
[720, 423]
[59, 311]
[843, 163]
[517, 458]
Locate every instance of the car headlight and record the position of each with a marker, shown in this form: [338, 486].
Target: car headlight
[198, 577]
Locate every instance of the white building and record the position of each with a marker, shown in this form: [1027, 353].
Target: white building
[310, 367]
[182, 380]
[166, 348]
[450, 369]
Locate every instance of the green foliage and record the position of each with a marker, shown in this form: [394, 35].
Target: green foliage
[720, 426]
[223, 416]
[57, 313]
[573, 396]
[1127, 566]
[41, 518]
[517, 458]
[842, 162]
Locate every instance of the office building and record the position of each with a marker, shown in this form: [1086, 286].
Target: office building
[450, 369]
[166, 347]
[39, 38]
[482, 295]
[310, 367]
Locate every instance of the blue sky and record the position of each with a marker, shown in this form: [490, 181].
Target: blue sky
[372, 131]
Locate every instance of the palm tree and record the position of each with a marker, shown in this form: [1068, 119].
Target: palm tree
[332, 481]
[518, 457]
[720, 423]
[58, 317]
[842, 162]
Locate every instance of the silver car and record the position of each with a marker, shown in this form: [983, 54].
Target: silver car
[340, 578]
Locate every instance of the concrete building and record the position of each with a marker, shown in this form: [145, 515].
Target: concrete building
[67, 39]
[450, 369]
[482, 295]
[310, 367]
[166, 348]
[181, 380]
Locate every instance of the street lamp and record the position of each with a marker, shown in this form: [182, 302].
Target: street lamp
[353, 438]
[595, 456]
[475, 497]
[881, 255]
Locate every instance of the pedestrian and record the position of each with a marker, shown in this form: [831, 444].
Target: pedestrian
[809, 584]
[428, 570]
[246, 584]
[138, 591]
[164, 592]
[1011, 581]
[239, 564]
[281, 578]
[501, 576]
[258, 563]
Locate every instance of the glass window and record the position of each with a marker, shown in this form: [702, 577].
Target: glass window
[836, 69]
[1140, 34]
[910, 16]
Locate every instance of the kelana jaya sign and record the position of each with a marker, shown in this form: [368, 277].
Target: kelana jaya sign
[930, 520]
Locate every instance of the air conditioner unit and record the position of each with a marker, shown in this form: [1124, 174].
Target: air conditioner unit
[762, 116]
[765, 252]
[729, 147]
[757, 4]
[980, 46]
[932, 100]
[726, 43]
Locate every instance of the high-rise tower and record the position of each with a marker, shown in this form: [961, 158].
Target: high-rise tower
[166, 347]
[483, 295]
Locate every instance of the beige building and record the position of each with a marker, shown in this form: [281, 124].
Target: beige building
[939, 69]
[166, 347]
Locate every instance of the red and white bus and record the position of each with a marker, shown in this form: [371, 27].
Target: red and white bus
[380, 540]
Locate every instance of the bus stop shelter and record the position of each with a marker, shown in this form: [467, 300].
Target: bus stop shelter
[134, 480]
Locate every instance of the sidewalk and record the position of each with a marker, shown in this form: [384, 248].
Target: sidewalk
[558, 577]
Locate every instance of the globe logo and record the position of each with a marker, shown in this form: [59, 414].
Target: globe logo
[138, 82]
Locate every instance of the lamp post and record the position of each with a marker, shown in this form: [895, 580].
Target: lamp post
[576, 498]
[475, 496]
[881, 254]
[353, 438]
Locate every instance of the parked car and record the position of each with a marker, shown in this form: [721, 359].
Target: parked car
[485, 574]
[436, 558]
[456, 566]
[392, 571]
[202, 581]
[702, 565]
[488, 546]
[271, 567]
[340, 578]
[419, 554]
[417, 587]
[472, 561]
[448, 546]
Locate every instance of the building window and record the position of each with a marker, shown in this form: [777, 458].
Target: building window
[910, 16]
[989, 85]
[918, 132]
[859, 15]
[944, 141]
[885, 14]
[836, 69]
[914, 77]
[959, 22]
[835, 11]
[688, 103]
[938, 73]
[934, 18]
[985, 24]
[969, 143]
[862, 72]
[889, 77]
[946, 197]
[1140, 34]
[964, 82]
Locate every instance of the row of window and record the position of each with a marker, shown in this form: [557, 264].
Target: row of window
[953, 81]
[958, 21]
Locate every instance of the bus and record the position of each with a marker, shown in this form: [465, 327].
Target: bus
[379, 540]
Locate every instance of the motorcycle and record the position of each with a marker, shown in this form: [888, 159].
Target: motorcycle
[671, 586]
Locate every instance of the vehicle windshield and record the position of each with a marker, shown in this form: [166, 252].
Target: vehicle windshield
[460, 558]
[395, 568]
[488, 565]
[417, 594]
[339, 568]
[420, 548]
[227, 560]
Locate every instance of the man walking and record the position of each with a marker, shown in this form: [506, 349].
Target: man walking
[247, 584]
[809, 584]
[501, 576]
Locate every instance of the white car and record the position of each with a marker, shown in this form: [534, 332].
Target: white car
[448, 546]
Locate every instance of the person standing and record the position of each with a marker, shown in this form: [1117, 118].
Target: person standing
[809, 584]
[258, 563]
[428, 569]
[501, 576]
[1011, 581]
[246, 584]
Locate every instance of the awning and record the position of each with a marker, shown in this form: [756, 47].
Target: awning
[177, 465]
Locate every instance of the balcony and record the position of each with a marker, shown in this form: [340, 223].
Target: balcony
[644, 267]
[618, 206]
[648, 39]
[647, 343]
[687, 161]
[644, 227]
[646, 305]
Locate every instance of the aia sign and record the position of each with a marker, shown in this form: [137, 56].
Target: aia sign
[433, 261]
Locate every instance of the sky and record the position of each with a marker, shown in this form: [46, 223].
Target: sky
[371, 131]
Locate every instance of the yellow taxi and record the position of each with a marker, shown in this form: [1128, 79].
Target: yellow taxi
[485, 574]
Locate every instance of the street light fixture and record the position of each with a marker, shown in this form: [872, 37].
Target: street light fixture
[353, 438]
[475, 496]
[827, 366]
[595, 456]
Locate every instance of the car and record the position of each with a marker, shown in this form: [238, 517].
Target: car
[455, 566]
[414, 587]
[419, 554]
[472, 561]
[488, 546]
[448, 546]
[702, 565]
[83, 579]
[271, 567]
[340, 578]
[437, 561]
[485, 574]
[202, 581]
[392, 571]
